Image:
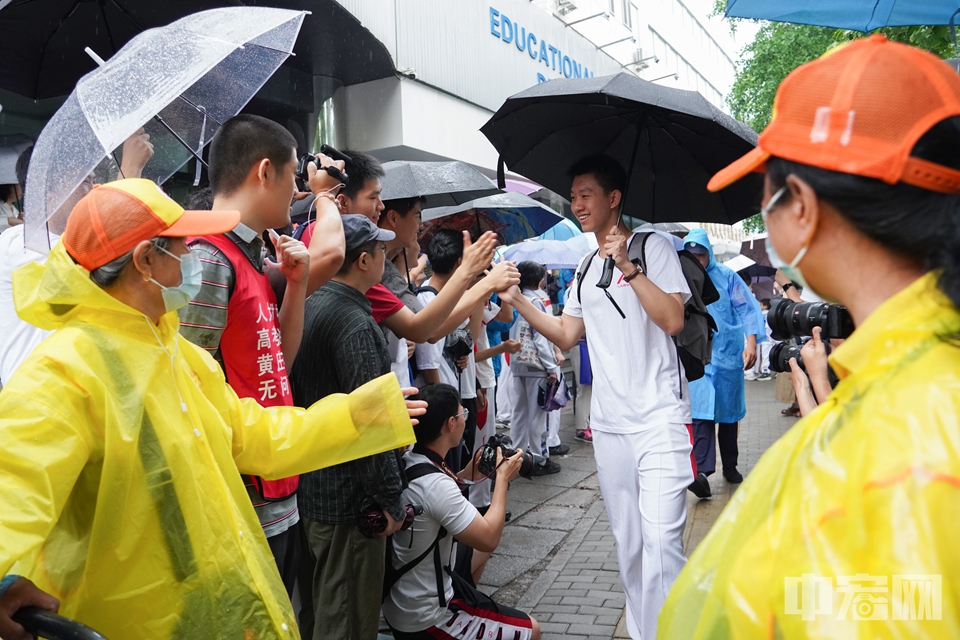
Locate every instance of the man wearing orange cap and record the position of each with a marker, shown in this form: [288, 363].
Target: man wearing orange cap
[121, 440]
[847, 526]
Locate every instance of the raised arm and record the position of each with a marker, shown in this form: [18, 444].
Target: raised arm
[327, 244]
[564, 331]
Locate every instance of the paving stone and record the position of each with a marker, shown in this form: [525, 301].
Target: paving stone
[551, 517]
[529, 543]
[606, 630]
[573, 618]
[502, 569]
[530, 491]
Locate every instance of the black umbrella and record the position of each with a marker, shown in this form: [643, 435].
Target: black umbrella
[445, 184]
[670, 141]
[43, 40]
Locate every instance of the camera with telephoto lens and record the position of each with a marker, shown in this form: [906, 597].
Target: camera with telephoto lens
[782, 352]
[487, 463]
[789, 319]
[307, 158]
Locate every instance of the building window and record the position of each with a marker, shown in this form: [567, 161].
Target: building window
[628, 9]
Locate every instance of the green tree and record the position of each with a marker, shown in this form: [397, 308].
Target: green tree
[781, 47]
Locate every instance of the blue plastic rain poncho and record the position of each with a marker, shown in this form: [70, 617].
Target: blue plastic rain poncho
[719, 395]
[121, 444]
[847, 527]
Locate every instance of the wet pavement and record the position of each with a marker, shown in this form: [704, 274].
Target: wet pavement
[557, 558]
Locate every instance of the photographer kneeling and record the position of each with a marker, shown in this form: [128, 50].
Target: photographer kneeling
[426, 601]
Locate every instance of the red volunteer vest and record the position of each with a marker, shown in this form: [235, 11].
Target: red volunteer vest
[250, 348]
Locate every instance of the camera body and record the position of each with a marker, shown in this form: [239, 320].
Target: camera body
[487, 463]
[327, 150]
[788, 319]
[372, 522]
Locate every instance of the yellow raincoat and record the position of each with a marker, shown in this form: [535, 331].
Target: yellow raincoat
[120, 445]
[848, 526]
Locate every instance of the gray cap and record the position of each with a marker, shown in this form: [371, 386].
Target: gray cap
[359, 230]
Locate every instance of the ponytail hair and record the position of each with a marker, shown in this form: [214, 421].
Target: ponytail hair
[920, 225]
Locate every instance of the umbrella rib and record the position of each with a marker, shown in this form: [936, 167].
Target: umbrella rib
[127, 15]
[106, 25]
[43, 49]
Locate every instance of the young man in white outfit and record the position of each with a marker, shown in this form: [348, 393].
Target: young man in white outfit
[640, 413]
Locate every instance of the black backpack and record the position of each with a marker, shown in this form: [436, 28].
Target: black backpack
[695, 340]
[392, 575]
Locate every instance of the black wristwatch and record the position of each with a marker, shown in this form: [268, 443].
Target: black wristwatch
[633, 274]
[787, 286]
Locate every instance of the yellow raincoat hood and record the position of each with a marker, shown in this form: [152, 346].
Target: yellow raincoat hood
[847, 527]
[119, 484]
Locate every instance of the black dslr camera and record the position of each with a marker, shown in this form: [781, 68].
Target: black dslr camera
[307, 158]
[487, 463]
[788, 319]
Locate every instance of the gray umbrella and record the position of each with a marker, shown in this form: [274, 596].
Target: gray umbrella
[445, 184]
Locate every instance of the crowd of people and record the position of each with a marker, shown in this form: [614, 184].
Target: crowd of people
[208, 415]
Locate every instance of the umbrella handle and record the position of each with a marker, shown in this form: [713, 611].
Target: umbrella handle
[606, 278]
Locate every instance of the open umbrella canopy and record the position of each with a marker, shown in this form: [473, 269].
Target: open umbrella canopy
[194, 74]
[553, 254]
[858, 15]
[512, 216]
[563, 230]
[445, 184]
[669, 141]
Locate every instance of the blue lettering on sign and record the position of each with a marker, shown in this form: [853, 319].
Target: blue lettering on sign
[507, 23]
[509, 31]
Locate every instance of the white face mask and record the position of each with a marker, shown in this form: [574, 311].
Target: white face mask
[191, 274]
[790, 270]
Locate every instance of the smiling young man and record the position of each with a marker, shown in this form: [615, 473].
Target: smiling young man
[640, 410]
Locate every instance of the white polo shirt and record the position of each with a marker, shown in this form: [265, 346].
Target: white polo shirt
[638, 382]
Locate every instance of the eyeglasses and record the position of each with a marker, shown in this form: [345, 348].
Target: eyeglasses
[465, 413]
[765, 211]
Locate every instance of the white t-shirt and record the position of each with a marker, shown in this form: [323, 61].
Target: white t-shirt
[638, 381]
[430, 356]
[17, 338]
[485, 374]
[412, 604]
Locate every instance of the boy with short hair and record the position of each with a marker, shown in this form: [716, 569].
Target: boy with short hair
[235, 316]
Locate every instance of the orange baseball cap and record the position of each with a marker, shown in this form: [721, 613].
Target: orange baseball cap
[113, 218]
[860, 108]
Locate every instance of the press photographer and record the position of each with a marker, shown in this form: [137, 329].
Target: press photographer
[421, 599]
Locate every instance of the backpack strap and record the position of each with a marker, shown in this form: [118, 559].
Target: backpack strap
[391, 575]
[582, 271]
[425, 288]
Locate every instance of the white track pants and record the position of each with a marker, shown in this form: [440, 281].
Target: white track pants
[505, 399]
[480, 493]
[528, 425]
[643, 479]
[553, 429]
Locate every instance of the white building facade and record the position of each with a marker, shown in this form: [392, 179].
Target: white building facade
[458, 60]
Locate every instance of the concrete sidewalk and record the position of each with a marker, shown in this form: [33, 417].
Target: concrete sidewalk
[557, 558]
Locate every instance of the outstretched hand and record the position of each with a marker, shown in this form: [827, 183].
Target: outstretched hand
[414, 407]
[478, 255]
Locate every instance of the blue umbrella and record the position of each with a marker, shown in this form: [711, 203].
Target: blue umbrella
[564, 230]
[857, 15]
[512, 216]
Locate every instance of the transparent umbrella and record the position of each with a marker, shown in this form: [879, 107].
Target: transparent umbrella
[178, 82]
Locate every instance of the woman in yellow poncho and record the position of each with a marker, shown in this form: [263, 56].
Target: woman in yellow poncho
[121, 441]
[846, 528]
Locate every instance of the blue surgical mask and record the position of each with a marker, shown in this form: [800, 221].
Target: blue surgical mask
[191, 275]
